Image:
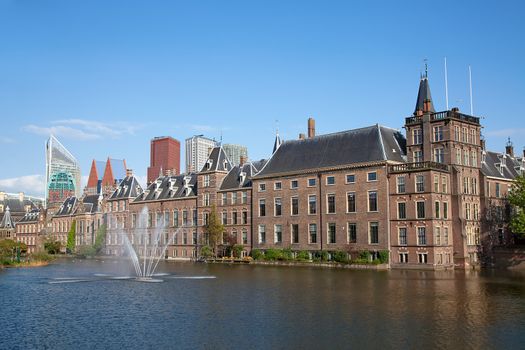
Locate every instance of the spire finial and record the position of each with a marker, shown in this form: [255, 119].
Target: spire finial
[276, 126]
[426, 67]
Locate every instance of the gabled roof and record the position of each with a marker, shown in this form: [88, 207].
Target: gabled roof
[170, 187]
[7, 221]
[369, 144]
[424, 95]
[129, 187]
[32, 216]
[91, 203]
[259, 164]
[217, 161]
[239, 177]
[501, 165]
[277, 142]
[67, 207]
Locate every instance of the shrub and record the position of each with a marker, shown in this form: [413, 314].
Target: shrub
[237, 250]
[365, 255]
[52, 247]
[383, 257]
[206, 251]
[256, 254]
[340, 257]
[272, 254]
[286, 254]
[40, 256]
[86, 250]
[324, 256]
[302, 256]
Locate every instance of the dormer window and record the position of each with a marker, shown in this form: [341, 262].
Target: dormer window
[209, 164]
[242, 177]
[225, 164]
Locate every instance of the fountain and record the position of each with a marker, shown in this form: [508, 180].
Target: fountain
[146, 248]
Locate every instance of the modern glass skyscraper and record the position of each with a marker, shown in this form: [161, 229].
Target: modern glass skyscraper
[197, 152]
[235, 152]
[62, 172]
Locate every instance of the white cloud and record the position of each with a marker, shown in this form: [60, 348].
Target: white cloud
[506, 132]
[6, 140]
[29, 184]
[60, 130]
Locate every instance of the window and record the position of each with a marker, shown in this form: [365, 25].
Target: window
[402, 236]
[244, 236]
[372, 200]
[206, 199]
[195, 217]
[417, 136]
[352, 232]
[205, 218]
[330, 200]
[437, 235]
[420, 183]
[244, 199]
[295, 206]
[400, 184]
[421, 236]
[294, 184]
[458, 156]
[444, 184]
[311, 182]
[150, 219]
[467, 211]
[422, 258]
[418, 156]
[456, 133]
[277, 185]
[278, 207]
[312, 204]
[235, 218]
[295, 233]
[278, 233]
[206, 180]
[473, 136]
[476, 211]
[262, 207]
[464, 134]
[445, 210]
[224, 198]
[372, 176]
[133, 220]
[262, 187]
[312, 231]
[224, 218]
[436, 209]
[350, 200]
[350, 178]
[401, 210]
[438, 133]
[498, 190]
[234, 198]
[330, 180]
[436, 183]
[185, 237]
[331, 233]
[374, 233]
[473, 158]
[420, 210]
[445, 235]
[465, 157]
[403, 258]
[262, 234]
[194, 238]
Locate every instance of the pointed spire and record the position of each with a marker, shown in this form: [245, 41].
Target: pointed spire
[424, 102]
[277, 142]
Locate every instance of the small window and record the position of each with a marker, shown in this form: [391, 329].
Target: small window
[262, 187]
[277, 186]
[330, 180]
[372, 176]
[311, 182]
[350, 178]
[294, 184]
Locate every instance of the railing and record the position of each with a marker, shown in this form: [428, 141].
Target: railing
[443, 115]
[405, 167]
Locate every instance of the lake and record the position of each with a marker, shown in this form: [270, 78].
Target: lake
[249, 306]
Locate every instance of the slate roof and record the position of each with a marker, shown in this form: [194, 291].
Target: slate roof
[369, 144]
[423, 95]
[129, 187]
[7, 221]
[501, 165]
[259, 164]
[32, 216]
[169, 187]
[277, 143]
[217, 161]
[67, 207]
[91, 203]
[239, 177]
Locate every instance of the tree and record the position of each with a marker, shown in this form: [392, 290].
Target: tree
[52, 247]
[214, 229]
[70, 246]
[517, 200]
[100, 238]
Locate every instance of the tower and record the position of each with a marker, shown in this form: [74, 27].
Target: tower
[165, 155]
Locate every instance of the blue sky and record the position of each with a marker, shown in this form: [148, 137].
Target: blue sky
[107, 76]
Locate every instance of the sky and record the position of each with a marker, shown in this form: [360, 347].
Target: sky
[107, 76]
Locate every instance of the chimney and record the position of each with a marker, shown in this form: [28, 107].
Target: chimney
[129, 172]
[242, 160]
[21, 196]
[2, 196]
[301, 136]
[509, 148]
[482, 143]
[426, 106]
[311, 127]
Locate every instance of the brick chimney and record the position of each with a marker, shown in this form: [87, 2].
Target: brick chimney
[302, 136]
[21, 196]
[311, 127]
[509, 148]
[129, 172]
[242, 160]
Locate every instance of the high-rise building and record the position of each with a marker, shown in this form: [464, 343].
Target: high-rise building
[197, 150]
[62, 172]
[235, 152]
[164, 157]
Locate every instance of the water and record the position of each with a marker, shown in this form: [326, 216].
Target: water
[210, 306]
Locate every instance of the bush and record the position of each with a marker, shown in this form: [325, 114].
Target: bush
[237, 250]
[324, 256]
[206, 251]
[272, 254]
[302, 255]
[383, 257]
[256, 254]
[340, 257]
[40, 256]
[52, 247]
[286, 254]
[365, 255]
[86, 251]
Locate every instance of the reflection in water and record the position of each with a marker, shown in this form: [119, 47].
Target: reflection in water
[227, 306]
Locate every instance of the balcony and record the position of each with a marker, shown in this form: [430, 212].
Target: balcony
[442, 116]
[420, 166]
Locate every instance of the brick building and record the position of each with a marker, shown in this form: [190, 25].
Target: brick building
[31, 230]
[164, 157]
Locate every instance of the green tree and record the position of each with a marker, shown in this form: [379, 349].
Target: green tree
[52, 247]
[70, 246]
[214, 229]
[517, 200]
[100, 238]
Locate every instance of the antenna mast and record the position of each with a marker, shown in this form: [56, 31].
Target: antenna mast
[446, 84]
[470, 85]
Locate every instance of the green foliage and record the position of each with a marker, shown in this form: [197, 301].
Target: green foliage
[286, 254]
[517, 200]
[100, 238]
[272, 254]
[340, 257]
[70, 246]
[206, 251]
[52, 247]
[365, 255]
[324, 255]
[7, 251]
[214, 229]
[86, 251]
[383, 256]
[40, 256]
[237, 250]
[256, 254]
[302, 256]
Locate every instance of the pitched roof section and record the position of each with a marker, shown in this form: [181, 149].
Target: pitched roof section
[129, 187]
[239, 177]
[373, 143]
[424, 95]
[277, 143]
[7, 221]
[91, 203]
[217, 161]
[32, 216]
[170, 187]
[502, 165]
[67, 206]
